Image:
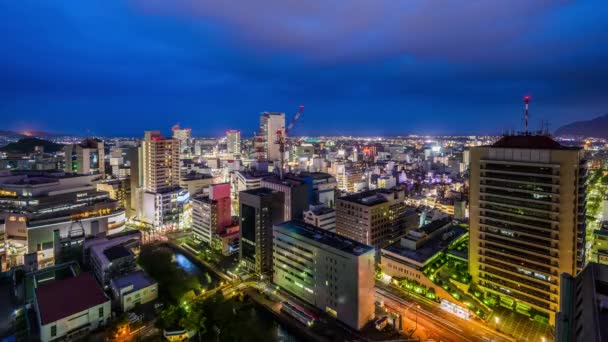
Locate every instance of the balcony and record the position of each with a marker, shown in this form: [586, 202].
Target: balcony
[537, 223]
[516, 271]
[505, 258]
[525, 194]
[519, 278]
[533, 242]
[521, 178]
[505, 241]
[519, 229]
[515, 253]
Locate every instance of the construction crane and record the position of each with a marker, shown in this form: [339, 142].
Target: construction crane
[281, 139]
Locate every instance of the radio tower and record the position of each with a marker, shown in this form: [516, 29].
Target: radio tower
[526, 101]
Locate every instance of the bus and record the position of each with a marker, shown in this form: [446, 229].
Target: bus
[298, 313]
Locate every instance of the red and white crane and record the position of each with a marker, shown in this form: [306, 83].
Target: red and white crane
[281, 139]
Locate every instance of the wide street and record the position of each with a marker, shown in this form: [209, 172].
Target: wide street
[432, 322]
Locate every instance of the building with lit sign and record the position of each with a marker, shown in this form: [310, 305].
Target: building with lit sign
[329, 271]
[86, 157]
[53, 210]
[527, 219]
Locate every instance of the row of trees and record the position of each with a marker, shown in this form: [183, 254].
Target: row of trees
[230, 318]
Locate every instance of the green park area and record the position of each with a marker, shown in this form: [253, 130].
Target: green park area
[185, 305]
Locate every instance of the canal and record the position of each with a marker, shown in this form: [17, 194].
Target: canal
[257, 315]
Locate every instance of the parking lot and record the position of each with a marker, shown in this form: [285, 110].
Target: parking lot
[519, 326]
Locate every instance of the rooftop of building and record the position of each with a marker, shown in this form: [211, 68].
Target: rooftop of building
[253, 174]
[260, 191]
[138, 279]
[322, 210]
[431, 247]
[314, 175]
[62, 298]
[369, 197]
[116, 252]
[196, 175]
[90, 143]
[291, 182]
[325, 237]
[531, 141]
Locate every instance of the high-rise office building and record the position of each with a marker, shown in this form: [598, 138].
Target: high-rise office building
[260, 209]
[211, 213]
[583, 306]
[160, 199]
[374, 217]
[85, 158]
[160, 162]
[266, 146]
[527, 219]
[329, 271]
[233, 142]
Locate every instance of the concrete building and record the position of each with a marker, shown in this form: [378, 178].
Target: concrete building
[408, 257]
[44, 212]
[85, 158]
[111, 256]
[348, 176]
[69, 309]
[133, 289]
[244, 180]
[321, 216]
[233, 142]
[211, 213]
[329, 271]
[160, 162]
[527, 219]
[270, 123]
[259, 210]
[161, 200]
[583, 309]
[374, 217]
[296, 195]
[322, 187]
[184, 138]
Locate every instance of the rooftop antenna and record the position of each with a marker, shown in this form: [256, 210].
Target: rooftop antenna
[526, 101]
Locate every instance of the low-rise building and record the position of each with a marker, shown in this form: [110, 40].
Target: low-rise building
[132, 289]
[329, 271]
[69, 309]
[408, 257]
[321, 216]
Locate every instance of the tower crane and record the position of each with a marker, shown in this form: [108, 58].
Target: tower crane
[281, 139]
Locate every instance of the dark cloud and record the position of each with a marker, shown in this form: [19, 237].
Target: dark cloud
[394, 66]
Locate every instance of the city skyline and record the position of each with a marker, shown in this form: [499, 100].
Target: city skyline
[384, 69]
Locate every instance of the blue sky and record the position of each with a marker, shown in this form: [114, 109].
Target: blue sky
[360, 67]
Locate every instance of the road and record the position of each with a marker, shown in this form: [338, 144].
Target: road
[432, 322]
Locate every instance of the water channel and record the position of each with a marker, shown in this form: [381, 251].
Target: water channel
[258, 315]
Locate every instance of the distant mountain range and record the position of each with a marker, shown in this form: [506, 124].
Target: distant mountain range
[28, 145]
[597, 128]
[18, 135]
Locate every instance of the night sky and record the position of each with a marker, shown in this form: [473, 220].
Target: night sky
[361, 67]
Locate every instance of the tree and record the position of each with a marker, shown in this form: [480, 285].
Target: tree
[169, 316]
[194, 319]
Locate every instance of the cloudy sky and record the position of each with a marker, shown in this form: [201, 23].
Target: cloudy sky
[360, 67]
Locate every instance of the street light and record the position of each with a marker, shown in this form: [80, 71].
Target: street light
[417, 308]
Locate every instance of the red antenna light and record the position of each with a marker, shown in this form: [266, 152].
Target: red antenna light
[527, 101]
